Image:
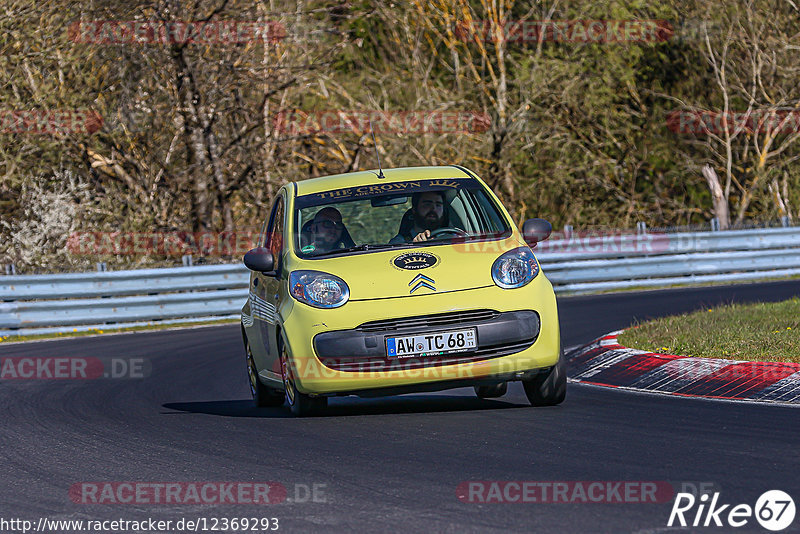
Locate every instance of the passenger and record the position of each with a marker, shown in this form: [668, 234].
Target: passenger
[327, 232]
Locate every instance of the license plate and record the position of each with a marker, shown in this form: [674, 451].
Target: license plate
[435, 344]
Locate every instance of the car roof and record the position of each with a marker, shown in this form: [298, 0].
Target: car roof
[355, 179]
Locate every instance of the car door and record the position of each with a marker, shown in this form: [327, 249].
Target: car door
[251, 320]
[268, 289]
[262, 302]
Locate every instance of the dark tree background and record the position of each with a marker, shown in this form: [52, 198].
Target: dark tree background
[578, 134]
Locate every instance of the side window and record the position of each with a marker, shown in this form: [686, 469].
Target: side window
[489, 213]
[466, 216]
[263, 234]
[274, 237]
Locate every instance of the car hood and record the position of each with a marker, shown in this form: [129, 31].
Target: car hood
[411, 272]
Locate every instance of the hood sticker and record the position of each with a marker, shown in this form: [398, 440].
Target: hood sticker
[413, 261]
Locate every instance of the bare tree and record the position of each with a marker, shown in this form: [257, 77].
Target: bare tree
[752, 136]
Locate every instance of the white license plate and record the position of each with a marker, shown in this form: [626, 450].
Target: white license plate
[434, 344]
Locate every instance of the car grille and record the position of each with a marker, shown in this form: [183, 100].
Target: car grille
[380, 364]
[426, 321]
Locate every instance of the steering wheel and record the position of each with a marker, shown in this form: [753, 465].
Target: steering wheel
[449, 230]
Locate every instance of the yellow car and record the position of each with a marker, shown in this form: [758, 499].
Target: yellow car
[396, 281]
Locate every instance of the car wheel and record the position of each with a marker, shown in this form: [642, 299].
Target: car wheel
[300, 403]
[262, 395]
[491, 392]
[548, 388]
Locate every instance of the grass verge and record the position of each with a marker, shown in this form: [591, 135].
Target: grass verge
[757, 332]
[143, 328]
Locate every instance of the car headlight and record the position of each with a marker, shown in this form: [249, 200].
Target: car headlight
[318, 289]
[515, 268]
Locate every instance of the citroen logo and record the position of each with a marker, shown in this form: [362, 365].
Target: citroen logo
[421, 281]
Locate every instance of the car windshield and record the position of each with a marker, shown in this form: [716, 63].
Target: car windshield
[392, 214]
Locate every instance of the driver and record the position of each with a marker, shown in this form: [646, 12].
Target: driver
[427, 211]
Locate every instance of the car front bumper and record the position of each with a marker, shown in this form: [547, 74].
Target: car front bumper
[343, 350]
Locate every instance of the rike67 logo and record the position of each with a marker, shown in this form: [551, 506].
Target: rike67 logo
[774, 510]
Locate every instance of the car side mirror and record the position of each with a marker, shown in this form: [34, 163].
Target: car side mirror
[260, 260]
[536, 230]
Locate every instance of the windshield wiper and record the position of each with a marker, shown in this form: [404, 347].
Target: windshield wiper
[357, 248]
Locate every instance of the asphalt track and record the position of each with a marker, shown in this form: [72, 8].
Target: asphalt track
[389, 464]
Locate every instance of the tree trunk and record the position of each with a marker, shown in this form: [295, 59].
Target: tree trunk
[717, 197]
[780, 199]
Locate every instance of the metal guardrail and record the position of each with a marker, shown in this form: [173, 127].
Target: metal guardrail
[655, 267]
[119, 283]
[585, 247]
[148, 308]
[110, 300]
[585, 264]
[33, 304]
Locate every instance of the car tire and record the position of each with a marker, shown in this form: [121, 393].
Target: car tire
[300, 404]
[263, 396]
[491, 392]
[548, 388]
